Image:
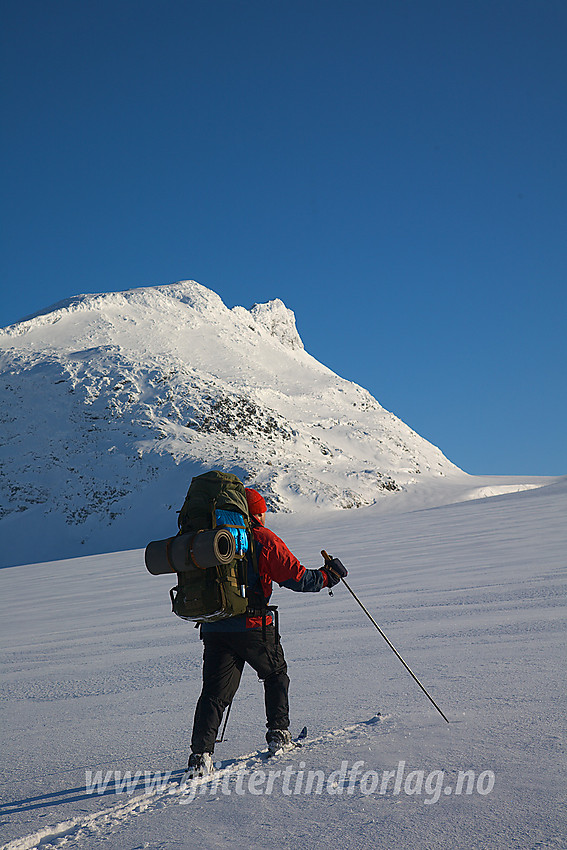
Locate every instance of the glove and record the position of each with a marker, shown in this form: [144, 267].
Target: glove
[334, 571]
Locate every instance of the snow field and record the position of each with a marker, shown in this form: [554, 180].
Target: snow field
[99, 676]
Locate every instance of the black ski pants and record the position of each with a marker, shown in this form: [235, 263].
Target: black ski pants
[224, 656]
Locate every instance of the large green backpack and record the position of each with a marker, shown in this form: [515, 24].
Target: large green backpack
[215, 499]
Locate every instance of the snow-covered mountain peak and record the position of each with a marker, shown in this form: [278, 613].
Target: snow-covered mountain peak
[181, 305]
[110, 403]
[174, 296]
[279, 321]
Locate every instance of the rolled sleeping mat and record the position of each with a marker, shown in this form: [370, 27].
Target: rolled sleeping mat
[193, 551]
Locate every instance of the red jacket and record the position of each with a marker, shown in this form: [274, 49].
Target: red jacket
[276, 562]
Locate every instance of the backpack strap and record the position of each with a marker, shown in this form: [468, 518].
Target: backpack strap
[258, 603]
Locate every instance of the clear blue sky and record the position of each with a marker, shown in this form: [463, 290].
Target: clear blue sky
[395, 171]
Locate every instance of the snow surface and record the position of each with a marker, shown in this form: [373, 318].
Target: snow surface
[99, 675]
[110, 403]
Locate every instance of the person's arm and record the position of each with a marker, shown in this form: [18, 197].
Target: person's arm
[287, 571]
[310, 582]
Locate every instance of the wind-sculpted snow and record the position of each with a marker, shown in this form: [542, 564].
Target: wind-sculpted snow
[111, 403]
[99, 682]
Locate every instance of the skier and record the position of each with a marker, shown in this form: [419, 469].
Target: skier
[252, 638]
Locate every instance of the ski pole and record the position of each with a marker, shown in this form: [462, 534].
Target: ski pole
[221, 739]
[390, 644]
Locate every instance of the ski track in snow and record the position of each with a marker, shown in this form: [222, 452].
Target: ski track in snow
[108, 820]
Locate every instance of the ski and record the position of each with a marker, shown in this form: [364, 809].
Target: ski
[294, 744]
[206, 770]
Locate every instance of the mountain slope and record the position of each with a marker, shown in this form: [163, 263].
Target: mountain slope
[110, 403]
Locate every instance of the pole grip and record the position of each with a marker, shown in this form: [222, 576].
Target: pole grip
[328, 560]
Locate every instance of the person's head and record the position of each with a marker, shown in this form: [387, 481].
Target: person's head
[256, 505]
